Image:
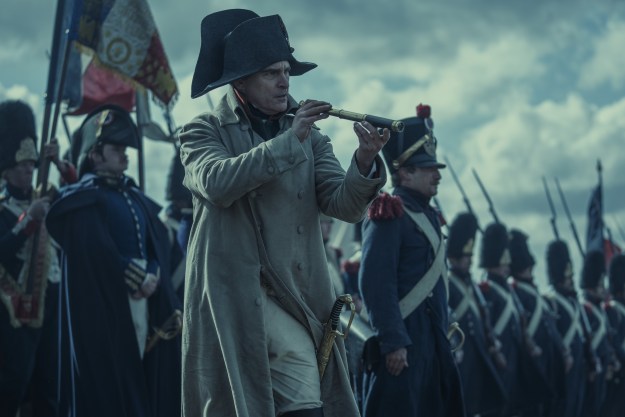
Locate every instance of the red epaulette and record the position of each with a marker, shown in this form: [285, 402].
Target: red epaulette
[386, 207]
[484, 286]
[351, 267]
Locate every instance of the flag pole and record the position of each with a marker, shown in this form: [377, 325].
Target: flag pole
[141, 102]
[51, 86]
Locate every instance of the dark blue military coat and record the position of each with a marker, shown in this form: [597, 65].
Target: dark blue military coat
[395, 256]
[614, 404]
[567, 310]
[100, 226]
[543, 330]
[527, 388]
[483, 389]
[596, 389]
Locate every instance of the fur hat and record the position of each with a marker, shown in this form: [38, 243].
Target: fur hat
[559, 265]
[520, 256]
[18, 136]
[617, 274]
[461, 238]
[594, 270]
[237, 43]
[495, 250]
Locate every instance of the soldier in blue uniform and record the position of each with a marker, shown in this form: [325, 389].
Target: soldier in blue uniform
[525, 385]
[569, 322]
[404, 285]
[615, 311]
[121, 352]
[555, 359]
[480, 355]
[28, 286]
[594, 295]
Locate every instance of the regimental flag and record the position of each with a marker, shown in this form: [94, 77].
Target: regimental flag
[594, 229]
[96, 86]
[122, 36]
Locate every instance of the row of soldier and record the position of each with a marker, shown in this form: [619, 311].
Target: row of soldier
[68, 332]
[526, 352]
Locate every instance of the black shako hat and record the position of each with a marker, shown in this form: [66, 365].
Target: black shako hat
[520, 256]
[559, 265]
[593, 271]
[237, 43]
[495, 250]
[461, 238]
[617, 274]
[18, 136]
[415, 145]
[107, 124]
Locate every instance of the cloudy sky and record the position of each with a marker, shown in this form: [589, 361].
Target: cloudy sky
[519, 90]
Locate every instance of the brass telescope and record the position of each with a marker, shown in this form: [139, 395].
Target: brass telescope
[376, 121]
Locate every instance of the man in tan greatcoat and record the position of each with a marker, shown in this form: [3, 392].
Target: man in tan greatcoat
[260, 172]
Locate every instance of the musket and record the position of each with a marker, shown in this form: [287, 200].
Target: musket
[586, 328]
[464, 195]
[376, 121]
[440, 210]
[491, 208]
[330, 331]
[554, 226]
[568, 215]
[494, 345]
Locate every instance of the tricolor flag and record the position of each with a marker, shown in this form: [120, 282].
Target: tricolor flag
[594, 229]
[122, 36]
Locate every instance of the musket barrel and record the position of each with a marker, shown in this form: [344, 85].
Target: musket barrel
[376, 121]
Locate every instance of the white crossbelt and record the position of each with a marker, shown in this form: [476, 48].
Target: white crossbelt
[601, 330]
[621, 310]
[575, 327]
[468, 299]
[426, 284]
[539, 309]
[509, 310]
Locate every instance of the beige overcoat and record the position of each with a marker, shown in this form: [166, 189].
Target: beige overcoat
[244, 187]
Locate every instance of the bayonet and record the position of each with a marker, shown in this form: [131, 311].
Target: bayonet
[568, 215]
[464, 195]
[554, 226]
[491, 208]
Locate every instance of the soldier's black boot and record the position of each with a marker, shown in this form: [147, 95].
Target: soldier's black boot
[309, 412]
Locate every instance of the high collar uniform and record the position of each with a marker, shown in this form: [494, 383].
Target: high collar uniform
[395, 256]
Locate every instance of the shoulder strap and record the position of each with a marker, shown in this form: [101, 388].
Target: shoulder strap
[509, 309]
[575, 326]
[468, 299]
[537, 314]
[420, 291]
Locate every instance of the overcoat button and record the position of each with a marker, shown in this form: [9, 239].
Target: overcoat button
[300, 229]
[258, 301]
[300, 266]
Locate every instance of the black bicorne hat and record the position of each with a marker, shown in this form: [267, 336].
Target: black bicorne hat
[175, 190]
[415, 145]
[108, 124]
[461, 238]
[559, 265]
[237, 43]
[18, 136]
[593, 271]
[617, 274]
[520, 255]
[495, 250]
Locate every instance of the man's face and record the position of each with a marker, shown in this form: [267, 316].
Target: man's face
[526, 274]
[21, 175]
[424, 180]
[462, 264]
[268, 89]
[113, 159]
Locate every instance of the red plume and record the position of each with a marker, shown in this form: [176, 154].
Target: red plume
[423, 111]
